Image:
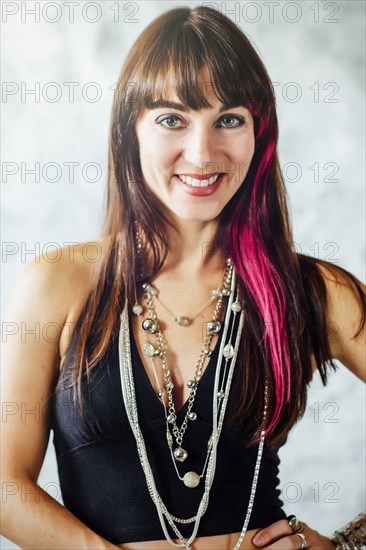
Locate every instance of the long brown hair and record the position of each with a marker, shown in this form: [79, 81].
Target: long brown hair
[283, 293]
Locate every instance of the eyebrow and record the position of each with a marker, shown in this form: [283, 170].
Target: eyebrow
[160, 103]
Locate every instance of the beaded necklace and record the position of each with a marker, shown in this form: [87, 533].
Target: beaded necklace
[218, 413]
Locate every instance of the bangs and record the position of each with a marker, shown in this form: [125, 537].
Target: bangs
[173, 67]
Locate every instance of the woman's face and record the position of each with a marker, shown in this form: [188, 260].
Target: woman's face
[175, 145]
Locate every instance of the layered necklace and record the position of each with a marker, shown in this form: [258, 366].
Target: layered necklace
[221, 390]
[151, 326]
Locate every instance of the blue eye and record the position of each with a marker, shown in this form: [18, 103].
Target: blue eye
[240, 120]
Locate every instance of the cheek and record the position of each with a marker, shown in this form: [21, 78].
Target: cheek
[157, 150]
[242, 150]
[243, 157]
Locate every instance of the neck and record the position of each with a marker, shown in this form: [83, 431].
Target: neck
[192, 253]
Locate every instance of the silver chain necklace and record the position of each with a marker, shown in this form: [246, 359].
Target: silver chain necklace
[219, 408]
[151, 325]
[183, 320]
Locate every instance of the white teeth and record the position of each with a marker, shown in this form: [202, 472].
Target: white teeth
[199, 183]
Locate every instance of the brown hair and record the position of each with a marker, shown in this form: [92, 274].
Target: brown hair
[172, 50]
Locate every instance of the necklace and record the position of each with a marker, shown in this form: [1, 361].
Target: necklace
[219, 408]
[190, 479]
[183, 320]
[151, 325]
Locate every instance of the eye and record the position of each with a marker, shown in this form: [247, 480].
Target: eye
[233, 117]
[168, 118]
[171, 122]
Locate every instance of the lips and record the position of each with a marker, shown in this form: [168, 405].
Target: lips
[199, 191]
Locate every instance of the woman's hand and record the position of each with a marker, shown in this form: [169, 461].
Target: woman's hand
[278, 536]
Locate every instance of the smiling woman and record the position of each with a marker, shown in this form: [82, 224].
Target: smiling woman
[197, 334]
[187, 154]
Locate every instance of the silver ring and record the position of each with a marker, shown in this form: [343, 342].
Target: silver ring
[294, 524]
[304, 542]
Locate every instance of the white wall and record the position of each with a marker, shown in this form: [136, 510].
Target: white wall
[310, 49]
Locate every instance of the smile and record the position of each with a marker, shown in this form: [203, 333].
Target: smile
[199, 187]
[199, 183]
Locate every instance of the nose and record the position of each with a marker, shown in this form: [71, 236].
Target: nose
[200, 148]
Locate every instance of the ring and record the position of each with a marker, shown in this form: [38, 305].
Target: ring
[295, 525]
[303, 540]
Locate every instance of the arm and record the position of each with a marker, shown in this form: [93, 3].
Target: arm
[345, 318]
[29, 516]
[344, 315]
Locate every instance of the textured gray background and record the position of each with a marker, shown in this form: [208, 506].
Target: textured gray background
[306, 46]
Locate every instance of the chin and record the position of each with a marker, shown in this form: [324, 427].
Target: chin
[197, 217]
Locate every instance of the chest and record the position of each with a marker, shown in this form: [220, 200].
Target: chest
[185, 354]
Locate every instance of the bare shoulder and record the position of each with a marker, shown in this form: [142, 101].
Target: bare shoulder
[53, 289]
[345, 316]
[79, 272]
[48, 292]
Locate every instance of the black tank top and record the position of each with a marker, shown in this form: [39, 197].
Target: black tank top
[101, 478]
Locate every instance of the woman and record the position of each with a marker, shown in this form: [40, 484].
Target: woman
[185, 352]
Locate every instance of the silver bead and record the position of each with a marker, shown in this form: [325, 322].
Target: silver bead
[149, 349]
[161, 395]
[180, 454]
[229, 262]
[208, 352]
[169, 386]
[213, 327]
[182, 321]
[191, 480]
[216, 292]
[221, 394]
[225, 292]
[191, 384]
[149, 325]
[169, 439]
[228, 351]
[137, 309]
[192, 416]
[236, 306]
[151, 291]
[171, 418]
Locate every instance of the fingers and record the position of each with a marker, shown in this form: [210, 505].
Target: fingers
[291, 542]
[273, 532]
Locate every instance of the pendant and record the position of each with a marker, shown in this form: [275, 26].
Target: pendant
[182, 321]
[191, 480]
[180, 454]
